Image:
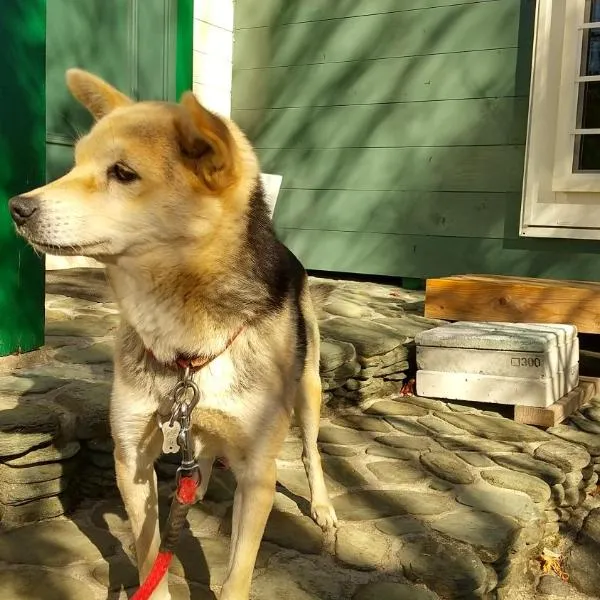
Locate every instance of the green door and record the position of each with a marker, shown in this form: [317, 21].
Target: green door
[22, 160]
[144, 47]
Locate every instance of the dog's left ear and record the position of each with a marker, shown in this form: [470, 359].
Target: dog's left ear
[207, 141]
[94, 93]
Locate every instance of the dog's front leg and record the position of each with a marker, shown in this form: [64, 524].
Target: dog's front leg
[252, 504]
[137, 445]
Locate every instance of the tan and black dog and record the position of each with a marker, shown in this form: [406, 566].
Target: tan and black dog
[168, 197]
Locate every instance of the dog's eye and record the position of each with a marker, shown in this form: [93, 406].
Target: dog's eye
[122, 173]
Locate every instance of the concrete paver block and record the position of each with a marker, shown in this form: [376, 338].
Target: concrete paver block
[496, 388]
[520, 337]
[507, 363]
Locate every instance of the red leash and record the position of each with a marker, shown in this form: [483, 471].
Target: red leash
[159, 570]
[184, 498]
[177, 435]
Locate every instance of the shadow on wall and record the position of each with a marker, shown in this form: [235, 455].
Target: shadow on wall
[412, 138]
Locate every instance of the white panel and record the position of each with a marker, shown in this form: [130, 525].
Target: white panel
[214, 99]
[212, 71]
[213, 40]
[213, 53]
[215, 12]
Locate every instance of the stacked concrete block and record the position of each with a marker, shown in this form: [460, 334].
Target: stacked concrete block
[506, 363]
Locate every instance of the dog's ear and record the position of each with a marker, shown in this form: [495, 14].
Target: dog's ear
[206, 140]
[94, 93]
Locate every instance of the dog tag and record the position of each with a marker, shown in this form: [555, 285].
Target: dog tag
[170, 433]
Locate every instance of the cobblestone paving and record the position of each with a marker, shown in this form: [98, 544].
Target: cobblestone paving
[436, 500]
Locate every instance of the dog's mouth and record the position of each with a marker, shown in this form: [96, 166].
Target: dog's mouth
[78, 249]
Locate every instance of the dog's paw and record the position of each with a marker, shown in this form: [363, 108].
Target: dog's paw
[324, 515]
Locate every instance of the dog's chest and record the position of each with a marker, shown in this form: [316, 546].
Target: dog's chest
[225, 407]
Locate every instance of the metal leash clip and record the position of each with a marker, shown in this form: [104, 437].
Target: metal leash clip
[176, 431]
[189, 466]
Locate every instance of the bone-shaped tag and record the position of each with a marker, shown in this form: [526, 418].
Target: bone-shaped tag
[170, 433]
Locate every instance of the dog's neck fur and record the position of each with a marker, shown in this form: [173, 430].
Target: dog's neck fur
[176, 310]
[177, 307]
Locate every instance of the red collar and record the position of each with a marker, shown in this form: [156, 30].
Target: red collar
[200, 361]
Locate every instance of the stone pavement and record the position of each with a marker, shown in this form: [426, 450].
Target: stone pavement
[436, 500]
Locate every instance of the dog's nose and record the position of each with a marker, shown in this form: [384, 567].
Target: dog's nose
[22, 209]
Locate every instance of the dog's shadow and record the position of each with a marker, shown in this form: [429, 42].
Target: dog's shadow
[301, 502]
[118, 574]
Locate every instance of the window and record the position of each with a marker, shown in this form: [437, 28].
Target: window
[561, 192]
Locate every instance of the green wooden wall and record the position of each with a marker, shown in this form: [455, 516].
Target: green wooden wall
[399, 129]
[144, 48]
[22, 157]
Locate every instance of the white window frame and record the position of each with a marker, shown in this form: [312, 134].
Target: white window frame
[556, 201]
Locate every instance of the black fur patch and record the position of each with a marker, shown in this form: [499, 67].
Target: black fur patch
[275, 266]
[301, 335]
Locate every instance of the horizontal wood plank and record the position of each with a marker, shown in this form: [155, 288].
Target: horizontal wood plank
[429, 213]
[473, 122]
[456, 28]
[537, 282]
[554, 414]
[518, 300]
[269, 13]
[422, 256]
[481, 74]
[417, 169]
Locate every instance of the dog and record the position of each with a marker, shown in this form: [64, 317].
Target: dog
[168, 197]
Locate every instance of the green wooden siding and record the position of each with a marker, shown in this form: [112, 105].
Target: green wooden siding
[145, 49]
[399, 129]
[22, 151]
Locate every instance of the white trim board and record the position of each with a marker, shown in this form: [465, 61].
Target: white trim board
[558, 201]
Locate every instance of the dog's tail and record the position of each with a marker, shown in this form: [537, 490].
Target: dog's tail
[320, 292]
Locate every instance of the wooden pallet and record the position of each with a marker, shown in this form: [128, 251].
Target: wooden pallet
[515, 300]
[555, 413]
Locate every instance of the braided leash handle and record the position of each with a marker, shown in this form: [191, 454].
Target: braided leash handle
[183, 500]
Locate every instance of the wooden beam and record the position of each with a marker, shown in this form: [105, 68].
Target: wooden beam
[559, 411]
[514, 299]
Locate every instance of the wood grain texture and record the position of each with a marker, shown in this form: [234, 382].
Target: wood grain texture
[556, 413]
[455, 28]
[517, 300]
